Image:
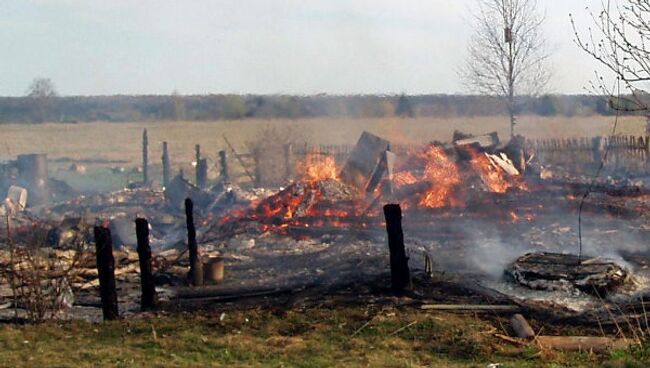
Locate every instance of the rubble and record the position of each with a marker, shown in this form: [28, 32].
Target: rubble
[16, 200]
[554, 271]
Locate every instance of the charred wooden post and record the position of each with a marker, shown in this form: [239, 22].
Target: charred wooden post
[196, 268]
[148, 298]
[399, 268]
[33, 175]
[197, 158]
[202, 173]
[288, 161]
[106, 272]
[165, 165]
[223, 162]
[145, 157]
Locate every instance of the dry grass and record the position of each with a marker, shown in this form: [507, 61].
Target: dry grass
[122, 140]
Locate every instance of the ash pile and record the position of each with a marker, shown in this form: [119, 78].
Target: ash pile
[554, 271]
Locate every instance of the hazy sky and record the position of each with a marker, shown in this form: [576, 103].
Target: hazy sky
[256, 46]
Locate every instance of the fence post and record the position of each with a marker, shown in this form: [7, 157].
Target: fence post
[165, 165]
[145, 157]
[399, 268]
[196, 268]
[197, 149]
[202, 173]
[223, 161]
[106, 272]
[148, 297]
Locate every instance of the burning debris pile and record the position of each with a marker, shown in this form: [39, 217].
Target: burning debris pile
[436, 176]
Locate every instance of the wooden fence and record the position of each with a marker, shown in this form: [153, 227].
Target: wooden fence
[629, 154]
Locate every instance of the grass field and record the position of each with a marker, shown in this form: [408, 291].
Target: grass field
[122, 141]
[319, 337]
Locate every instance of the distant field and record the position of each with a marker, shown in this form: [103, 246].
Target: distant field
[121, 141]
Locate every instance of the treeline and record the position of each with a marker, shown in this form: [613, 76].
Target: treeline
[218, 107]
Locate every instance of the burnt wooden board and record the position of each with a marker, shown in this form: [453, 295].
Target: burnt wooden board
[363, 160]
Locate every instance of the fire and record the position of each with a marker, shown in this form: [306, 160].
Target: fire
[443, 174]
[491, 175]
[403, 178]
[318, 167]
[494, 177]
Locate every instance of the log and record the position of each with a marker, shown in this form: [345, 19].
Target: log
[582, 343]
[148, 297]
[471, 307]
[521, 327]
[106, 271]
[399, 269]
[196, 269]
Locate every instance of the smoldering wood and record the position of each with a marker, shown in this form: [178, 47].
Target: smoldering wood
[148, 298]
[145, 157]
[166, 165]
[555, 271]
[33, 175]
[399, 269]
[106, 272]
[179, 189]
[196, 269]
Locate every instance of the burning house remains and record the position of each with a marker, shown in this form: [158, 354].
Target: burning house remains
[501, 216]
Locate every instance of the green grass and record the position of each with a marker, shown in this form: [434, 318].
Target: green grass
[310, 338]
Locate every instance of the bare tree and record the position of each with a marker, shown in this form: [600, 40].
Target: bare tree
[620, 41]
[41, 91]
[507, 54]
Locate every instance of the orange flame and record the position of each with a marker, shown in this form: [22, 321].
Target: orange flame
[443, 174]
[403, 178]
[318, 167]
[492, 176]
